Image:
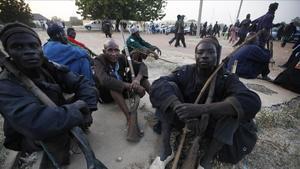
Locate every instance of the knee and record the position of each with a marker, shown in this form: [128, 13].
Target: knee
[116, 95]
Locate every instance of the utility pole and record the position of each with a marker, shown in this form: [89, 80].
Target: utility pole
[199, 18]
[238, 14]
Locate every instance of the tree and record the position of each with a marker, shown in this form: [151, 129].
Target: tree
[138, 10]
[74, 21]
[56, 19]
[296, 21]
[15, 10]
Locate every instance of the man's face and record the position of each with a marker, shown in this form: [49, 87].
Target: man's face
[206, 55]
[25, 50]
[72, 34]
[111, 52]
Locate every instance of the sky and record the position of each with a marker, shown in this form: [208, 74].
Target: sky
[213, 10]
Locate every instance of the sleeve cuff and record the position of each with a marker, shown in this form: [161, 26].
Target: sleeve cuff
[236, 106]
[166, 104]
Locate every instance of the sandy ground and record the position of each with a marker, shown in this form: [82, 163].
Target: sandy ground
[107, 135]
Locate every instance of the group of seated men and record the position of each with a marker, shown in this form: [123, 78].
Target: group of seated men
[253, 61]
[63, 67]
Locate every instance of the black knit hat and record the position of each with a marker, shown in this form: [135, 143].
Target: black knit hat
[13, 28]
[54, 29]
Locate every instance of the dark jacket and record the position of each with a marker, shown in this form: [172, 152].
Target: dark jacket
[190, 84]
[252, 59]
[238, 133]
[107, 77]
[26, 117]
[135, 42]
[265, 21]
[244, 27]
[290, 77]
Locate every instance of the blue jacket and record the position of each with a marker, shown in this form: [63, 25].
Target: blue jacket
[251, 60]
[25, 117]
[74, 57]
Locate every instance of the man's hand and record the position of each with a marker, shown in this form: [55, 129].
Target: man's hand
[140, 90]
[84, 109]
[189, 111]
[154, 55]
[174, 104]
[81, 105]
[135, 83]
[157, 50]
[198, 126]
[195, 126]
[136, 87]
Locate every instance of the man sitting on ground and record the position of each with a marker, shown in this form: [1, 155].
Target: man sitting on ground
[58, 50]
[230, 129]
[138, 48]
[252, 60]
[71, 37]
[290, 77]
[294, 55]
[26, 119]
[115, 81]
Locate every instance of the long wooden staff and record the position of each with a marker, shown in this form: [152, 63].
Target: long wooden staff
[179, 150]
[191, 160]
[133, 133]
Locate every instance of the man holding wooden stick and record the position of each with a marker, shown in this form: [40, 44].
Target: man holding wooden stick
[29, 121]
[230, 129]
[115, 82]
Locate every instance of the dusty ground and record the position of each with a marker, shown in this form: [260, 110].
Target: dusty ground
[278, 145]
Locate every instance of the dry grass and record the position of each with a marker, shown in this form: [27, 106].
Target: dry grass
[278, 145]
[2, 149]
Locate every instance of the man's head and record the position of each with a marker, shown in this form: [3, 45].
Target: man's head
[250, 39]
[273, 7]
[248, 16]
[22, 44]
[111, 51]
[207, 53]
[71, 32]
[178, 17]
[134, 30]
[57, 33]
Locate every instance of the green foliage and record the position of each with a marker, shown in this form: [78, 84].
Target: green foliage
[138, 10]
[56, 19]
[296, 21]
[74, 21]
[15, 10]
